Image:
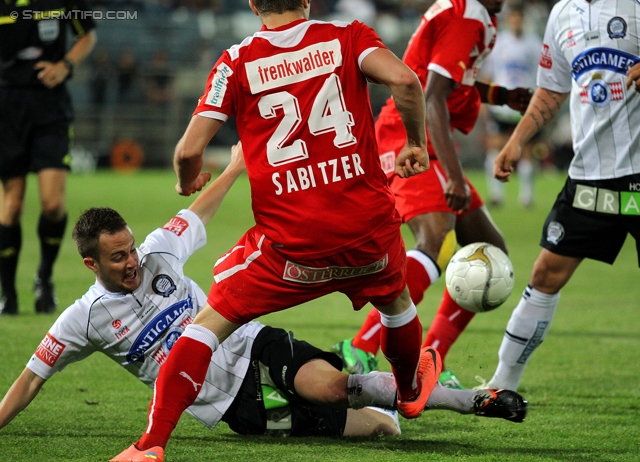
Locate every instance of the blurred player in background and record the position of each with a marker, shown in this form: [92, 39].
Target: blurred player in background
[325, 217]
[440, 206]
[591, 56]
[35, 127]
[512, 63]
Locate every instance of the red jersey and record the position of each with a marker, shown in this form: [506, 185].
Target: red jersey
[305, 121]
[453, 39]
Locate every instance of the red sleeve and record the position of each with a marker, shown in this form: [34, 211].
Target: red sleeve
[455, 41]
[217, 101]
[365, 39]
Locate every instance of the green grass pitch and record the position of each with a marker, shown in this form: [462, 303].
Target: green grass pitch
[582, 384]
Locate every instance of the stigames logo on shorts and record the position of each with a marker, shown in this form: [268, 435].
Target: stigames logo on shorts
[49, 350]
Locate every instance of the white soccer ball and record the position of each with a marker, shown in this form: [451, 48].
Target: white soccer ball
[479, 277]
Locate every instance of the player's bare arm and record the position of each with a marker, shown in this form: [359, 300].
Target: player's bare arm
[543, 107]
[21, 393]
[384, 67]
[516, 98]
[189, 153]
[208, 202]
[53, 74]
[439, 127]
[633, 77]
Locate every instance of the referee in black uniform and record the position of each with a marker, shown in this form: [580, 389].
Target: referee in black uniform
[35, 123]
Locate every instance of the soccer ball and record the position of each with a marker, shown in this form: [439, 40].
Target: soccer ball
[479, 277]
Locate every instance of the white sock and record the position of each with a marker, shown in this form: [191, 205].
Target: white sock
[526, 330]
[525, 176]
[202, 335]
[496, 189]
[374, 389]
[451, 400]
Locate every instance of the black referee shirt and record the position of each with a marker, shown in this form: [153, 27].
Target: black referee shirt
[35, 30]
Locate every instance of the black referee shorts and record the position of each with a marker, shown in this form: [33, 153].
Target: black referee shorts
[35, 125]
[591, 219]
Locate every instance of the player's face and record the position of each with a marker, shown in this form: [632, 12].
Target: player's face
[492, 6]
[117, 266]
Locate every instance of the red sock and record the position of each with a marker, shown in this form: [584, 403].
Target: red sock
[401, 347]
[418, 280]
[177, 387]
[368, 337]
[451, 319]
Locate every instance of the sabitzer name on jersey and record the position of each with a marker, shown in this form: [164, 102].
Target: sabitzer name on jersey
[156, 328]
[604, 59]
[294, 66]
[332, 171]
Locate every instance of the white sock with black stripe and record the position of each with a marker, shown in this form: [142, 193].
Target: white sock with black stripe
[526, 330]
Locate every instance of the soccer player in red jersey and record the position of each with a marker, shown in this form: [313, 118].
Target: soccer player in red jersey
[440, 207]
[325, 216]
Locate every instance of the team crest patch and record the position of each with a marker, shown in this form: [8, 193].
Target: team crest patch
[163, 285]
[555, 232]
[617, 28]
[176, 225]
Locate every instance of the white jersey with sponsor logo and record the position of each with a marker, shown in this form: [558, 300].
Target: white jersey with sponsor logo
[587, 50]
[137, 330]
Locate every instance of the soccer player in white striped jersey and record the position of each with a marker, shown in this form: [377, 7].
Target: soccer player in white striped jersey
[590, 56]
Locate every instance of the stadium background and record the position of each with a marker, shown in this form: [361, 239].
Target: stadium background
[134, 95]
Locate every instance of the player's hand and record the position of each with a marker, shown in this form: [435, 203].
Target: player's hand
[633, 77]
[503, 165]
[236, 164]
[518, 99]
[51, 74]
[199, 183]
[458, 195]
[411, 161]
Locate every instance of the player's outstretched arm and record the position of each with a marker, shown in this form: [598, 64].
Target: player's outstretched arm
[208, 202]
[21, 393]
[543, 107]
[438, 89]
[189, 153]
[384, 67]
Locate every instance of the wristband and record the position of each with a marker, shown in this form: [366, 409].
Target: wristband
[496, 95]
[69, 64]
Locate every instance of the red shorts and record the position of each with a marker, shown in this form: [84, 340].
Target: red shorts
[420, 194]
[424, 193]
[253, 279]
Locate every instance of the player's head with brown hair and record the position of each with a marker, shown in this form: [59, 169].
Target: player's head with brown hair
[265, 7]
[108, 248]
[91, 224]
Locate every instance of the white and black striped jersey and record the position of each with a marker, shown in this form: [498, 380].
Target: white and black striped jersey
[588, 47]
[138, 329]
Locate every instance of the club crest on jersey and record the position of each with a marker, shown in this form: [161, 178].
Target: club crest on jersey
[555, 232]
[598, 92]
[156, 328]
[617, 28]
[163, 285]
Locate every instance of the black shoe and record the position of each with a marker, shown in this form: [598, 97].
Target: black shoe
[45, 297]
[504, 404]
[8, 305]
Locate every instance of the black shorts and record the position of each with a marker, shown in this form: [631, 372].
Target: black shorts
[284, 356]
[35, 128]
[591, 219]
